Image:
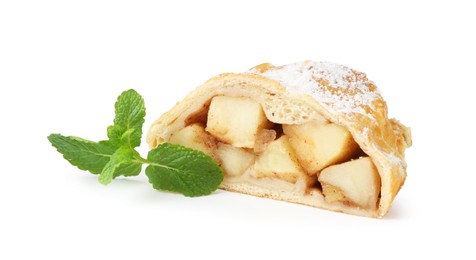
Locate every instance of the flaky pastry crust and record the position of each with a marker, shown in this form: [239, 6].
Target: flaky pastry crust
[299, 93]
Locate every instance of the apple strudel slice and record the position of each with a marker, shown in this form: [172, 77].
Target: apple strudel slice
[314, 133]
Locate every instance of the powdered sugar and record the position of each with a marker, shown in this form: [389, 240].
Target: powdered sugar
[341, 90]
[338, 88]
[365, 132]
[396, 161]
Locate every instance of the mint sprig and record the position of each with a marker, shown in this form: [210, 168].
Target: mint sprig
[184, 170]
[170, 167]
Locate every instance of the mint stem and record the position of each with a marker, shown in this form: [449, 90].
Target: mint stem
[139, 159]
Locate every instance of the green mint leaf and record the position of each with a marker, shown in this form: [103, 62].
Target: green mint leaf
[128, 169]
[114, 133]
[179, 169]
[122, 156]
[86, 155]
[130, 113]
[171, 167]
[120, 137]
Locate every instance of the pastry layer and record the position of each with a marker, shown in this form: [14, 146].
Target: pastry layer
[295, 95]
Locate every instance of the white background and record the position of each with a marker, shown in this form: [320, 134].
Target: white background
[63, 63]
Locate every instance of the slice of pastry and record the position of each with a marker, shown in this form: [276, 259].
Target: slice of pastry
[314, 133]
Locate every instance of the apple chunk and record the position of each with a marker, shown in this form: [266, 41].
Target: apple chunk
[357, 180]
[333, 194]
[263, 138]
[235, 161]
[279, 161]
[319, 145]
[236, 120]
[194, 136]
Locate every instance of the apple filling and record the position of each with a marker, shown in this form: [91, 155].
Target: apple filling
[320, 155]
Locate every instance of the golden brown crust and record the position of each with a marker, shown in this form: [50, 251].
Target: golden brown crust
[298, 93]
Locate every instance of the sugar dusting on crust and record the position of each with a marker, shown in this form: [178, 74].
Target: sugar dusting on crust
[340, 89]
[396, 161]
